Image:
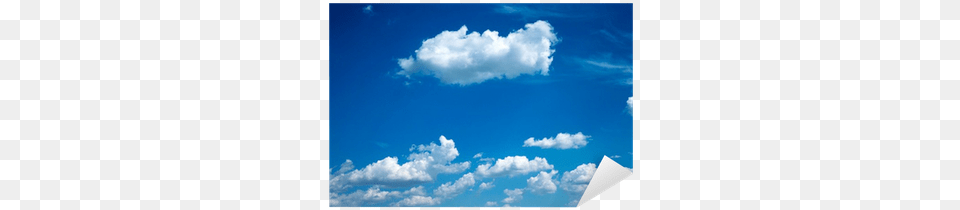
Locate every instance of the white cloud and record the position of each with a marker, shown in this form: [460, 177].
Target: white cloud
[542, 183]
[368, 9]
[630, 105]
[449, 190]
[486, 186]
[458, 57]
[491, 203]
[421, 167]
[346, 166]
[371, 196]
[478, 155]
[562, 141]
[513, 166]
[513, 195]
[576, 180]
[418, 200]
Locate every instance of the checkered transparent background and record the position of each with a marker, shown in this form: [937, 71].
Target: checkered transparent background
[750, 104]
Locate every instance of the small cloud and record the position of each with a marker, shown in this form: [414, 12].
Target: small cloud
[486, 186]
[513, 166]
[478, 155]
[491, 203]
[418, 200]
[487, 159]
[368, 10]
[615, 156]
[630, 105]
[561, 141]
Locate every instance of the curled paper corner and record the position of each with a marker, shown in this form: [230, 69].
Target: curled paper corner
[608, 174]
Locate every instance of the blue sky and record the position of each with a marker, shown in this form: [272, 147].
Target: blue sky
[403, 75]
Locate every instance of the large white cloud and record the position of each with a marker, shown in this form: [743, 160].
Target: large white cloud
[575, 181]
[562, 141]
[542, 183]
[422, 166]
[452, 189]
[371, 196]
[513, 166]
[458, 57]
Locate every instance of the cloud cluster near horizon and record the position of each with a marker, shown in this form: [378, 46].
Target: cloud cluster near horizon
[421, 167]
[428, 160]
[458, 57]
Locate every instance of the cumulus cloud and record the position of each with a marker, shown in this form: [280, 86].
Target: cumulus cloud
[486, 186]
[418, 200]
[513, 195]
[478, 155]
[458, 57]
[452, 189]
[542, 183]
[562, 141]
[513, 166]
[422, 166]
[575, 181]
[371, 196]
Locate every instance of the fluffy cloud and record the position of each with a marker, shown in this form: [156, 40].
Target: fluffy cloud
[449, 190]
[418, 200]
[486, 186]
[371, 196]
[513, 195]
[513, 166]
[478, 155]
[421, 167]
[576, 180]
[542, 183]
[562, 141]
[458, 57]
[630, 105]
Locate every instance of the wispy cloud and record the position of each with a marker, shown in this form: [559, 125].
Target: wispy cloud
[368, 10]
[528, 12]
[513, 195]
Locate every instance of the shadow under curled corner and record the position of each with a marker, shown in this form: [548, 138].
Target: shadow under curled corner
[608, 174]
